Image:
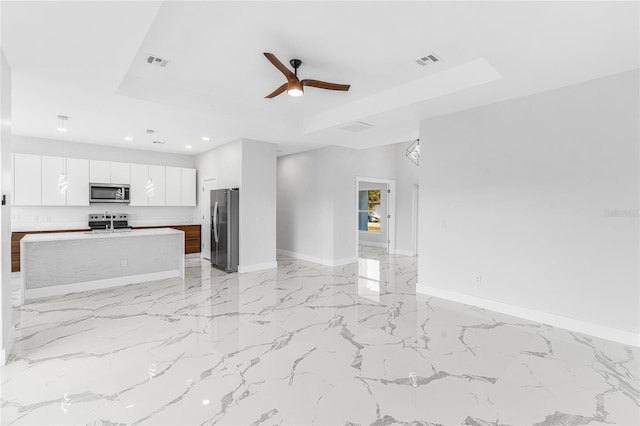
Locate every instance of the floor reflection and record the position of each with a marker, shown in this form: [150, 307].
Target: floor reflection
[304, 344]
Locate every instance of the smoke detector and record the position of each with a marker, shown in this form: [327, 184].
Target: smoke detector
[357, 126]
[426, 60]
[154, 60]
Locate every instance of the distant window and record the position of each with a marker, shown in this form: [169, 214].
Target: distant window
[369, 210]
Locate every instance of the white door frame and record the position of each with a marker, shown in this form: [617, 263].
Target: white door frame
[204, 183]
[414, 219]
[391, 221]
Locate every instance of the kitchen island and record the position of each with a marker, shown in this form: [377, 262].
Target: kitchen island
[60, 263]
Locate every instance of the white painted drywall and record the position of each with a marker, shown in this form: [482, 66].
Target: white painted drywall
[5, 211]
[48, 217]
[258, 204]
[223, 163]
[538, 196]
[316, 190]
[56, 148]
[250, 166]
[305, 205]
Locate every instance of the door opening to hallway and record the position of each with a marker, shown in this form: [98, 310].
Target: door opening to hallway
[375, 213]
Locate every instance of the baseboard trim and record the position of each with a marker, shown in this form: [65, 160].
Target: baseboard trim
[257, 267]
[59, 290]
[8, 345]
[608, 333]
[326, 262]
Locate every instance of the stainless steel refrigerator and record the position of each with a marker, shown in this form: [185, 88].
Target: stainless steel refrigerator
[224, 229]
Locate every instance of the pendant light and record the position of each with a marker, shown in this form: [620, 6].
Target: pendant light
[150, 186]
[63, 182]
[413, 152]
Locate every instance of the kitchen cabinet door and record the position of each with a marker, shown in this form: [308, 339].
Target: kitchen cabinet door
[138, 189]
[52, 195]
[120, 173]
[100, 171]
[78, 177]
[27, 180]
[173, 186]
[157, 175]
[189, 187]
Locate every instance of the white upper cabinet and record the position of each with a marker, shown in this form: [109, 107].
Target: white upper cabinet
[52, 168]
[120, 173]
[157, 176]
[36, 181]
[27, 180]
[188, 190]
[100, 171]
[78, 177]
[173, 186]
[109, 172]
[138, 190]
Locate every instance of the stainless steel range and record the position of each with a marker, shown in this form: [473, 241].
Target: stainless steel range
[108, 221]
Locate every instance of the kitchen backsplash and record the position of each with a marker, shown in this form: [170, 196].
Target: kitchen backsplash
[40, 218]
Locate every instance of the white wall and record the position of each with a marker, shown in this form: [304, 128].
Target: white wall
[48, 217]
[5, 211]
[316, 205]
[258, 206]
[250, 166]
[223, 163]
[538, 196]
[305, 205]
[56, 148]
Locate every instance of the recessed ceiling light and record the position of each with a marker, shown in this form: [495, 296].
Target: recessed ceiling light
[205, 138]
[188, 146]
[128, 138]
[61, 129]
[205, 402]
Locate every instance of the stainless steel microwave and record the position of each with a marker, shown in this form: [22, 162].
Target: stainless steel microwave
[108, 193]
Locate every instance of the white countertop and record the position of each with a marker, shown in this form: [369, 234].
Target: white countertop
[63, 236]
[64, 226]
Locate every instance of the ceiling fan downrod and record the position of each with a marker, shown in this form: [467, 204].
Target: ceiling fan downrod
[295, 63]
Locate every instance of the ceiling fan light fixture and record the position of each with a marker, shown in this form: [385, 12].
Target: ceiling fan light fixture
[295, 89]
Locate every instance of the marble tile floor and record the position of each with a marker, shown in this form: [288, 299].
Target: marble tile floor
[304, 345]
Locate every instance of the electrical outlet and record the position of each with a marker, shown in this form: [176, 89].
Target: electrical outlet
[124, 263]
[478, 279]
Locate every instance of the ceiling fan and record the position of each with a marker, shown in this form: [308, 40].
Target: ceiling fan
[294, 86]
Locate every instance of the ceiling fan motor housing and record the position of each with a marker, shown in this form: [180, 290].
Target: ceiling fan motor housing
[295, 63]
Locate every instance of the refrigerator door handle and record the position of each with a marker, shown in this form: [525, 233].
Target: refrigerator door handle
[216, 234]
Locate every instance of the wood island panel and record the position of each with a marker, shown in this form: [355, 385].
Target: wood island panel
[191, 240]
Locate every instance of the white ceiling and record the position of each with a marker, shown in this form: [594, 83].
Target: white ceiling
[87, 60]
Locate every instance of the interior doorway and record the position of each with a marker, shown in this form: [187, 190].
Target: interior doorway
[414, 218]
[205, 216]
[375, 213]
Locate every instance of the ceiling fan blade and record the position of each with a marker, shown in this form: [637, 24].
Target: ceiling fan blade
[283, 69]
[277, 91]
[324, 85]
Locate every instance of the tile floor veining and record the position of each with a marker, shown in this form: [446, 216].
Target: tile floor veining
[304, 345]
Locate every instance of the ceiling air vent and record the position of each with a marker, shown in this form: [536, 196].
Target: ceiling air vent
[154, 60]
[357, 126]
[159, 142]
[426, 60]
